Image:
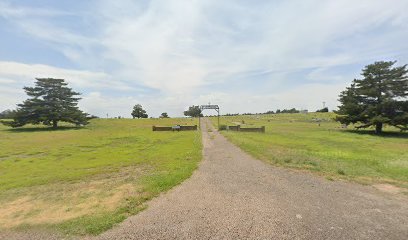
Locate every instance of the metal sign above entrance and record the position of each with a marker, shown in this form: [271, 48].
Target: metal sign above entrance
[215, 107]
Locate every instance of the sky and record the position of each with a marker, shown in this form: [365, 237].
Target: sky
[246, 56]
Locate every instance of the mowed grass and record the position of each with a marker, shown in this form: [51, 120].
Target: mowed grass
[297, 141]
[85, 180]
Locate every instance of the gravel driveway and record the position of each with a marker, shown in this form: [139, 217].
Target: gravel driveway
[234, 196]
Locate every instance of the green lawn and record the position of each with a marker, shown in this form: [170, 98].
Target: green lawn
[84, 180]
[297, 141]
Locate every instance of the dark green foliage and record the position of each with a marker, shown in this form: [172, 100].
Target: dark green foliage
[325, 109]
[92, 117]
[50, 102]
[193, 111]
[341, 172]
[222, 127]
[139, 112]
[7, 114]
[293, 110]
[379, 98]
[164, 115]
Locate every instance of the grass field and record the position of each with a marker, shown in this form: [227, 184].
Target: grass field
[297, 141]
[83, 181]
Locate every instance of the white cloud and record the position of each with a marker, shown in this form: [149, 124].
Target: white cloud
[9, 11]
[156, 45]
[20, 73]
[193, 51]
[6, 81]
[96, 103]
[175, 45]
[10, 97]
[310, 96]
[14, 76]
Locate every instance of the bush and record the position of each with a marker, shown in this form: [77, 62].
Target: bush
[341, 172]
[326, 109]
[222, 127]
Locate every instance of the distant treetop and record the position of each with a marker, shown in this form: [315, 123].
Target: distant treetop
[193, 111]
[139, 112]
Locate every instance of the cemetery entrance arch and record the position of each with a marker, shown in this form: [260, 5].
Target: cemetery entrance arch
[209, 106]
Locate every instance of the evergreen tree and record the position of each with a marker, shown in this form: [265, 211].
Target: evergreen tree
[377, 99]
[139, 112]
[50, 102]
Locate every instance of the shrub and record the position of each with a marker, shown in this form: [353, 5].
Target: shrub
[222, 127]
[341, 172]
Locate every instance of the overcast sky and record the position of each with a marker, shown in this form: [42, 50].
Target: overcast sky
[246, 56]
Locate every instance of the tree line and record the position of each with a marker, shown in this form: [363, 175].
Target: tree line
[278, 111]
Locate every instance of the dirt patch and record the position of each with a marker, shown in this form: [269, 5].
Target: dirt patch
[60, 202]
[388, 188]
[28, 210]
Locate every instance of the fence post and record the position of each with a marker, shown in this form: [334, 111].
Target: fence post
[154, 128]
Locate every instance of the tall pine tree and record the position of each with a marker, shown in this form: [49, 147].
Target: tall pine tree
[50, 102]
[379, 98]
